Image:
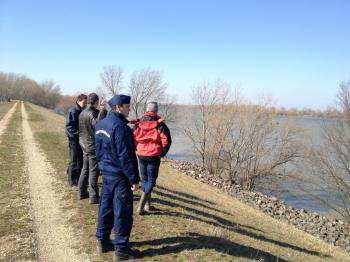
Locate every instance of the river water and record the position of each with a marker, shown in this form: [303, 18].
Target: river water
[291, 191]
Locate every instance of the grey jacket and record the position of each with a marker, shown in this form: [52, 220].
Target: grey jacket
[87, 121]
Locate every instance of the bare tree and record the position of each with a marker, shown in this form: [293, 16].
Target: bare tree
[112, 78]
[343, 100]
[328, 162]
[146, 85]
[168, 108]
[203, 118]
[240, 141]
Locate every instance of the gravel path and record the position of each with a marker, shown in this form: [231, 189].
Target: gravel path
[6, 119]
[55, 238]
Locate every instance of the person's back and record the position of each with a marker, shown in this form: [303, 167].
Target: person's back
[107, 150]
[152, 136]
[153, 140]
[115, 151]
[87, 121]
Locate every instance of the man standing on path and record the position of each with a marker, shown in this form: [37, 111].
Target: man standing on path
[153, 140]
[89, 173]
[72, 132]
[115, 151]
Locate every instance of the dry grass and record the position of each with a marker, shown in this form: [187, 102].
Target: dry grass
[193, 221]
[17, 237]
[4, 108]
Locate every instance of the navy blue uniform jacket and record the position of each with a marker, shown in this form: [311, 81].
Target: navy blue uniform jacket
[72, 122]
[115, 147]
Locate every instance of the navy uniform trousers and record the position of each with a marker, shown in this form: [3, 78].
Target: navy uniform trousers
[115, 210]
[75, 162]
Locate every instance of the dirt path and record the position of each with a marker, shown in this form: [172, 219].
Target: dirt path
[6, 119]
[55, 238]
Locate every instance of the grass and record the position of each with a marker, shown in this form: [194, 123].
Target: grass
[17, 239]
[4, 108]
[193, 221]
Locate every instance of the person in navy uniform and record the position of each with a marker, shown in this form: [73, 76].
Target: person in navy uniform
[117, 161]
[72, 132]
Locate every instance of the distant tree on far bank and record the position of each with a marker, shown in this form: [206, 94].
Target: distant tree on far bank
[20, 87]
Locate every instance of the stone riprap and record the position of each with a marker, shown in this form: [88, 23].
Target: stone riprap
[331, 230]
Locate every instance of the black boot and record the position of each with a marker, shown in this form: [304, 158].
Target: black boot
[105, 246]
[126, 253]
[94, 200]
[82, 196]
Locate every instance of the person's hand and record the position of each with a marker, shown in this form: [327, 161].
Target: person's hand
[135, 187]
[102, 105]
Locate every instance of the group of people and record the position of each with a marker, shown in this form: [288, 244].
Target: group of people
[104, 142]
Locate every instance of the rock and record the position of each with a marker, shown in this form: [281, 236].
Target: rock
[333, 231]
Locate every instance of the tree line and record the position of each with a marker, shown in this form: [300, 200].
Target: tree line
[20, 87]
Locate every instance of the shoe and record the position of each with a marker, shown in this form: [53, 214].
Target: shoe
[83, 196]
[105, 246]
[127, 253]
[140, 209]
[148, 206]
[94, 200]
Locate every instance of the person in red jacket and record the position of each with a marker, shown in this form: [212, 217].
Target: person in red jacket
[153, 140]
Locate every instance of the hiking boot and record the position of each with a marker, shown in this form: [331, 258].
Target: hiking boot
[148, 206]
[105, 245]
[126, 253]
[140, 209]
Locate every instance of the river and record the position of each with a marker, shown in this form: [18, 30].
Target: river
[292, 192]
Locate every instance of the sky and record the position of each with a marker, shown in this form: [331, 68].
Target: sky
[295, 51]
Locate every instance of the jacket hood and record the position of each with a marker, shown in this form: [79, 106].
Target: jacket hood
[148, 125]
[150, 116]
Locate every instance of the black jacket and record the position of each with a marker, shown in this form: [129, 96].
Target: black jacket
[87, 121]
[72, 122]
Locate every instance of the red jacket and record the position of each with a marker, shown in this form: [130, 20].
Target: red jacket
[152, 137]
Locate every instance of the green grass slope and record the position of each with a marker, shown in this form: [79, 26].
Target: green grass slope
[4, 108]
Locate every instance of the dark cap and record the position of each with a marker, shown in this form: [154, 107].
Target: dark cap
[119, 100]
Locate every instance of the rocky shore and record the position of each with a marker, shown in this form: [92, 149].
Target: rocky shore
[333, 231]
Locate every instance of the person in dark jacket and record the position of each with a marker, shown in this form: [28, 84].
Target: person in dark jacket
[153, 141]
[89, 173]
[72, 132]
[117, 161]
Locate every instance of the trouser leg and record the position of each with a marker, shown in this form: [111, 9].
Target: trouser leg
[123, 211]
[75, 162]
[105, 212]
[93, 177]
[152, 171]
[143, 173]
[84, 176]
